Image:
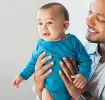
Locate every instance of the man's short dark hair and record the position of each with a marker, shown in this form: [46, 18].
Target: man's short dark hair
[60, 6]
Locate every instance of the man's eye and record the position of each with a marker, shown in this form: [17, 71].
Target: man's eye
[100, 19]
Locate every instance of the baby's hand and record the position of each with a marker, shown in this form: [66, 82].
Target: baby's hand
[17, 81]
[79, 81]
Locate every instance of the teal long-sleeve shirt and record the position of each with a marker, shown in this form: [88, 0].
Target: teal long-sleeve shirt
[69, 47]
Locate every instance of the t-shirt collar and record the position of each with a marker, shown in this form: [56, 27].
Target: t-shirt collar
[92, 48]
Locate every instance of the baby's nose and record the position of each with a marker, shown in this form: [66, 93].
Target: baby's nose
[44, 26]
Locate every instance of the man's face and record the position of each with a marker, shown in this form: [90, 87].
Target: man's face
[51, 24]
[96, 22]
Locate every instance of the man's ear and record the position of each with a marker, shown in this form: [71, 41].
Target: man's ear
[66, 25]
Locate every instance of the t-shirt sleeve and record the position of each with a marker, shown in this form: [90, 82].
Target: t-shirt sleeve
[30, 66]
[83, 58]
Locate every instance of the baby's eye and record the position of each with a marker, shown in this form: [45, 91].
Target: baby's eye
[40, 23]
[50, 22]
[90, 12]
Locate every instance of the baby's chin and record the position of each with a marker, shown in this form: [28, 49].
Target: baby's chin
[51, 40]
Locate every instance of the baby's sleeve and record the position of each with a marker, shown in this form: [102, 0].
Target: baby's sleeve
[30, 66]
[83, 58]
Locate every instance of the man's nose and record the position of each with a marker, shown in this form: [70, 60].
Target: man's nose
[90, 20]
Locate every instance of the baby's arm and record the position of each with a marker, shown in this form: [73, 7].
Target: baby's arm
[82, 58]
[17, 81]
[79, 81]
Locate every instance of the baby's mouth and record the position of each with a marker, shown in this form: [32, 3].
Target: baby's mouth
[46, 34]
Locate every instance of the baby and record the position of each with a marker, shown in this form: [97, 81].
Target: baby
[53, 21]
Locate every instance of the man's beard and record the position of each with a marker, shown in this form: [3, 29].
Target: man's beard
[92, 41]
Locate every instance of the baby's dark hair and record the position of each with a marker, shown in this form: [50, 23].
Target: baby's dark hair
[60, 6]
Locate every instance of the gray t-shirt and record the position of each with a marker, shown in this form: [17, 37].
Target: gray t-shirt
[94, 83]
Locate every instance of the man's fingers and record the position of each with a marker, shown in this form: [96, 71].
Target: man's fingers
[74, 64]
[44, 60]
[63, 76]
[65, 80]
[66, 71]
[69, 65]
[41, 56]
[45, 68]
[46, 74]
[40, 63]
[73, 76]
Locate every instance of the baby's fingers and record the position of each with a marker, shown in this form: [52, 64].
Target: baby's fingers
[75, 80]
[16, 85]
[80, 85]
[83, 85]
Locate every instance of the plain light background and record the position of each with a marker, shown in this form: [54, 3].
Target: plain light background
[18, 35]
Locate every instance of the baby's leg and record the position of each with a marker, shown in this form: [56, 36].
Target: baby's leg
[46, 95]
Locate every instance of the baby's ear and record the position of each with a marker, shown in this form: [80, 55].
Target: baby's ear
[66, 25]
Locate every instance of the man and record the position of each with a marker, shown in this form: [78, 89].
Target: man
[96, 50]
[96, 35]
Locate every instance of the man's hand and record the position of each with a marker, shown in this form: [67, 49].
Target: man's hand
[69, 67]
[40, 72]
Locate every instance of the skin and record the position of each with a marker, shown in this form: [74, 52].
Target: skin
[51, 27]
[96, 23]
[95, 34]
[39, 75]
[65, 74]
[52, 24]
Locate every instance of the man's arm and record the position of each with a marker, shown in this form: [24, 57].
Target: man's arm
[65, 74]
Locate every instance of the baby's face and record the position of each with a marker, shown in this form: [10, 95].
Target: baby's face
[51, 24]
